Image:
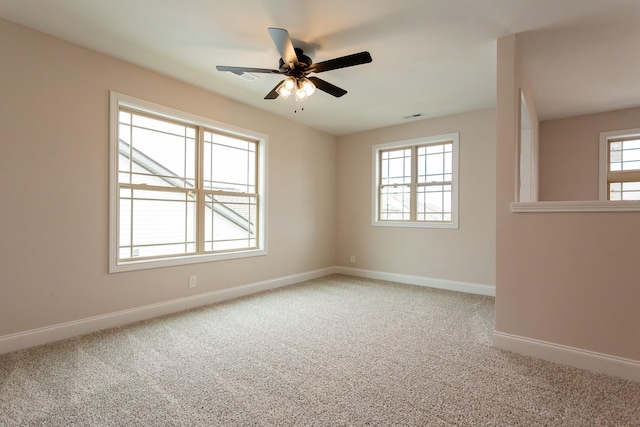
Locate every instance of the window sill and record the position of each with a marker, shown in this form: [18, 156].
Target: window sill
[183, 260]
[576, 206]
[415, 224]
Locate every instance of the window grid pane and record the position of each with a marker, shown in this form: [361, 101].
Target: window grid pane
[395, 203]
[624, 168]
[435, 163]
[395, 167]
[156, 223]
[155, 152]
[427, 179]
[624, 190]
[229, 164]
[624, 155]
[230, 222]
[160, 193]
[434, 203]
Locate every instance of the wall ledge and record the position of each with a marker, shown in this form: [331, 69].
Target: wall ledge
[576, 206]
[584, 359]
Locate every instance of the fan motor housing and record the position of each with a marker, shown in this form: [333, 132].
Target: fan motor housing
[303, 59]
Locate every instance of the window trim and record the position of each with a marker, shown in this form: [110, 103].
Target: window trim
[118, 100]
[448, 137]
[603, 157]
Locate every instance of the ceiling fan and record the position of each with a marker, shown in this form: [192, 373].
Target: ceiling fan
[297, 66]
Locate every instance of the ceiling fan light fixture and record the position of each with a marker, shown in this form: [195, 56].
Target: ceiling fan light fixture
[286, 87]
[295, 66]
[301, 95]
[307, 86]
[283, 92]
[289, 83]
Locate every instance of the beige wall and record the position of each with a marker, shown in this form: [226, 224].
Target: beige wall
[54, 186]
[564, 278]
[466, 254]
[569, 153]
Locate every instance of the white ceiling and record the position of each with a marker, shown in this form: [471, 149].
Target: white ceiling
[433, 57]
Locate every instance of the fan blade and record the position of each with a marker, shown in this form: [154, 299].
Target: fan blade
[342, 62]
[283, 42]
[327, 87]
[273, 94]
[240, 70]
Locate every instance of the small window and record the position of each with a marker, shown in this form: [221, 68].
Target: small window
[620, 165]
[184, 189]
[416, 182]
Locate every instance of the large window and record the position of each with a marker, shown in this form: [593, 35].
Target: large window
[620, 165]
[183, 188]
[416, 182]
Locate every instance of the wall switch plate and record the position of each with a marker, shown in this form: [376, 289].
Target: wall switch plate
[192, 282]
[352, 260]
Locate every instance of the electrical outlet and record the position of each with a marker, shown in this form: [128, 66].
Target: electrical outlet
[192, 282]
[352, 260]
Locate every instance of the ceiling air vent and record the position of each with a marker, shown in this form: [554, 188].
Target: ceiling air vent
[413, 116]
[246, 76]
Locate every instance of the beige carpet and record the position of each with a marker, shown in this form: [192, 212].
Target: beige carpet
[333, 351]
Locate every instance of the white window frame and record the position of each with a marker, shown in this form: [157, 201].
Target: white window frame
[118, 100]
[376, 149]
[603, 168]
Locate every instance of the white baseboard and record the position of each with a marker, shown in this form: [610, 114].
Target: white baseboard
[34, 337]
[597, 362]
[74, 328]
[451, 285]
[584, 359]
